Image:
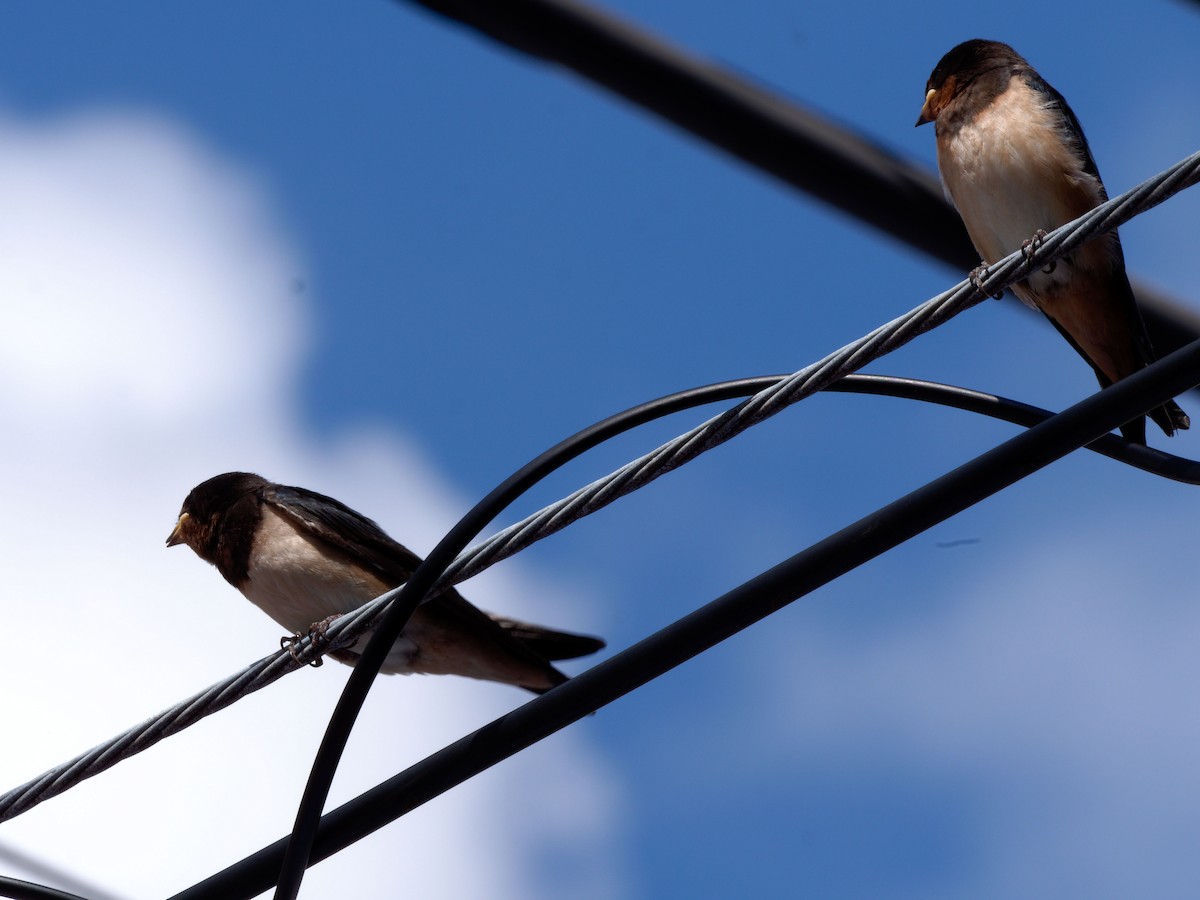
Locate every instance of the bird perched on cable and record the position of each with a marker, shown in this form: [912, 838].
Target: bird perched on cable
[301, 557]
[1015, 164]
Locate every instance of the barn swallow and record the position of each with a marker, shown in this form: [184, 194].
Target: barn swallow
[1015, 164]
[301, 557]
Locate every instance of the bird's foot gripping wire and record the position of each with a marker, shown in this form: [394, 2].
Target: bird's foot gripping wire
[1030, 246]
[978, 274]
[316, 631]
[289, 643]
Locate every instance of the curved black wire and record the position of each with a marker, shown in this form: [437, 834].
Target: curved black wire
[1051, 438]
[342, 721]
[1156, 462]
[316, 791]
[27, 890]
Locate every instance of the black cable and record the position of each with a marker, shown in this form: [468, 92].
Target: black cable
[1085, 423]
[1156, 462]
[839, 166]
[27, 890]
[70, 884]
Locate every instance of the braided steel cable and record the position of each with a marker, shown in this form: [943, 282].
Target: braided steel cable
[767, 402]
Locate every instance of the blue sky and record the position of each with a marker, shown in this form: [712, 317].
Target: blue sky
[357, 248]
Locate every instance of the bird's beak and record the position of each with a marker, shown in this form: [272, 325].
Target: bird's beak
[176, 536]
[927, 113]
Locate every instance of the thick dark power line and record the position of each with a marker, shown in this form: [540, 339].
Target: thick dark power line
[844, 169]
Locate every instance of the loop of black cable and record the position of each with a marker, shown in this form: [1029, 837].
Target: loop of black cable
[411, 594]
[1084, 424]
[269, 669]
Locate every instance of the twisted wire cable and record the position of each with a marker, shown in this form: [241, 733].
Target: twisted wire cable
[816, 376]
[636, 474]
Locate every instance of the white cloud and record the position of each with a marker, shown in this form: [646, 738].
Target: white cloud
[150, 339]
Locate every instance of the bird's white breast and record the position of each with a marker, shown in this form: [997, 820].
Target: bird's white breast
[1010, 171]
[295, 583]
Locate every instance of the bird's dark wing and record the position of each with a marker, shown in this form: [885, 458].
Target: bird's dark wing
[366, 543]
[344, 529]
[1134, 430]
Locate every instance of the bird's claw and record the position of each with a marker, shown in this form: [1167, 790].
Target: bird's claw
[976, 277]
[318, 629]
[316, 632]
[1030, 245]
